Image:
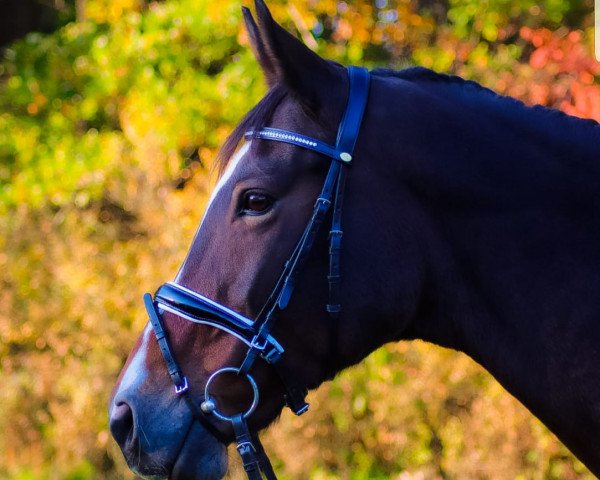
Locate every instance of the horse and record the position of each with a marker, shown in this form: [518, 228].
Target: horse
[470, 220]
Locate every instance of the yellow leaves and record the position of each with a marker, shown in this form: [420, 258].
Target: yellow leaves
[214, 11]
[439, 57]
[109, 11]
[479, 56]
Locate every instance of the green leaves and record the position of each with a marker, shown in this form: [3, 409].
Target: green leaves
[75, 102]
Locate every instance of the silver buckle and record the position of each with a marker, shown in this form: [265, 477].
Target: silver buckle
[274, 353]
[257, 346]
[245, 447]
[179, 389]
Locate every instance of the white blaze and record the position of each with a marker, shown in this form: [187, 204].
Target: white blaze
[136, 371]
[229, 171]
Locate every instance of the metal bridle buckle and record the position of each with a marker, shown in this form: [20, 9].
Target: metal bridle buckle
[210, 407]
[179, 389]
[272, 354]
[245, 447]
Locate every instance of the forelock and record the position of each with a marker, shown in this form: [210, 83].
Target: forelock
[255, 119]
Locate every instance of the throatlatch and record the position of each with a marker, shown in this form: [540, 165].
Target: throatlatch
[194, 307]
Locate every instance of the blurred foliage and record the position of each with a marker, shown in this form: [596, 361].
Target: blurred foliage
[108, 128]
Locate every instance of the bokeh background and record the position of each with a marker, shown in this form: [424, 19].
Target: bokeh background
[109, 123]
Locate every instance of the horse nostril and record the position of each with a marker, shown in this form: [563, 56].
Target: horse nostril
[121, 422]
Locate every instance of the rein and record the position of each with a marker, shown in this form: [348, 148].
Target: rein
[194, 307]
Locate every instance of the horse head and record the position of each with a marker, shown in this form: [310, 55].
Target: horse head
[259, 209]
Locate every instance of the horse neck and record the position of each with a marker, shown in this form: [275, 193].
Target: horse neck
[509, 229]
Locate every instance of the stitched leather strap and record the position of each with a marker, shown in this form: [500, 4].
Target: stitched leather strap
[359, 80]
[335, 248]
[295, 392]
[245, 447]
[263, 459]
[349, 128]
[180, 381]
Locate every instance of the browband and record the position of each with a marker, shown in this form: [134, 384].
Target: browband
[349, 126]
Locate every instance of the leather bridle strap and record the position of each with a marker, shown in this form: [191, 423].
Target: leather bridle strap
[263, 459]
[346, 141]
[245, 447]
[179, 380]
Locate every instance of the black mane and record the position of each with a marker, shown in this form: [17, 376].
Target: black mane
[544, 117]
[422, 74]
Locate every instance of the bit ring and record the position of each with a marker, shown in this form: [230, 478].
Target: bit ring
[213, 409]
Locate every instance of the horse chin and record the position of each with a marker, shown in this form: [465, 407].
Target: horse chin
[202, 457]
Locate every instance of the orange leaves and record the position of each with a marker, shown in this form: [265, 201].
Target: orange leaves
[343, 30]
[566, 52]
[583, 101]
[564, 72]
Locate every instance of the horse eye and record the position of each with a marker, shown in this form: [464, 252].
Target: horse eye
[256, 202]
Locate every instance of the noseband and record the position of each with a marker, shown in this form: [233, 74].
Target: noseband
[196, 308]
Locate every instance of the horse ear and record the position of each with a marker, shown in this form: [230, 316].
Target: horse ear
[258, 48]
[286, 60]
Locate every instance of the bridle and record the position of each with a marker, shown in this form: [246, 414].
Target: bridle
[194, 307]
